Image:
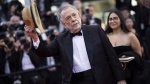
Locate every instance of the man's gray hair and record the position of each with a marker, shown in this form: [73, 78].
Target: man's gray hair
[63, 7]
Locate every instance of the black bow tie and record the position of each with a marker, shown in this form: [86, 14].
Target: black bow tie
[74, 34]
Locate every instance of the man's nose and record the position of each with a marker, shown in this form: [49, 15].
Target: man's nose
[73, 18]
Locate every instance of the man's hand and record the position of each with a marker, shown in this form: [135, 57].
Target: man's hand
[8, 23]
[2, 43]
[30, 31]
[121, 82]
[6, 49]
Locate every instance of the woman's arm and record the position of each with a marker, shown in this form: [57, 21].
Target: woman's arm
[135, 44]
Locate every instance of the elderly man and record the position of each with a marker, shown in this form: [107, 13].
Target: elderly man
[85, 51]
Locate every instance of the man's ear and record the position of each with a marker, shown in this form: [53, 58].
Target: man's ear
[63, 23]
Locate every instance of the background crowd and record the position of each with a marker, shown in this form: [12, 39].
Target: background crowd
[16, 48]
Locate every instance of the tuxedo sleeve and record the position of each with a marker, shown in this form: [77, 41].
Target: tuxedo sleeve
[111, 56]
[46, 50]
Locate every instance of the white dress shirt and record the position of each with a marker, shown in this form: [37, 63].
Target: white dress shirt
[80, 58]
[7, 68]
[50, 61]
[26, 62]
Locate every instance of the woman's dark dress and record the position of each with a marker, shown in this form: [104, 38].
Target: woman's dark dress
[130, 72]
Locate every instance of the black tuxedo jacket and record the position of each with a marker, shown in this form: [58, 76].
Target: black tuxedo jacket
[103, 59]
[16, 60]
[2, 60]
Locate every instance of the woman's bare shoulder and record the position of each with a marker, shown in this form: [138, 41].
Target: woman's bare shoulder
[131, 35]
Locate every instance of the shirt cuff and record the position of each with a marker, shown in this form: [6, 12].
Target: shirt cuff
[36, 44]
[1, 23]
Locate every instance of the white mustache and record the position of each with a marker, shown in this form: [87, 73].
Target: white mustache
[75, 22]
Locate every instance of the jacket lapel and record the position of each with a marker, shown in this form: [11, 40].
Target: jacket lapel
[88, 43]
[68, 48]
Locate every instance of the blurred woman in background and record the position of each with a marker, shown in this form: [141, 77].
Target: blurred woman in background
[129, 24]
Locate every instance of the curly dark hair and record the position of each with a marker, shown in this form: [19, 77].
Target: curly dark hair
[123, 26]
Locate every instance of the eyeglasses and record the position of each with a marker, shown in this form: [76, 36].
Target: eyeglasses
[68, 18]
[113, 19]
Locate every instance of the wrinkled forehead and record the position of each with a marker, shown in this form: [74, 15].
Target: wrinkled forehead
[67, 11]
